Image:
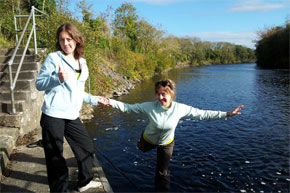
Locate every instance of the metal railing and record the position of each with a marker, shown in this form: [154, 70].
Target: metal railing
[10, 62]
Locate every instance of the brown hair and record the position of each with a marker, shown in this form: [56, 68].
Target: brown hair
[169, 86]
[75, 35]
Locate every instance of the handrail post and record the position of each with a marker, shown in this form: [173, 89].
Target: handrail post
[34, 30]
[15, 24]
[11, 87]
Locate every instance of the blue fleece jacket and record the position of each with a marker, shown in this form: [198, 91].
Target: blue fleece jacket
[63, 99]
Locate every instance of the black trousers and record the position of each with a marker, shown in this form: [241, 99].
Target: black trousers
[164, 154]
[53, 132]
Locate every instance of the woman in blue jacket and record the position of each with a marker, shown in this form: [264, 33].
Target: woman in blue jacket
[62, 78]
[164, 115]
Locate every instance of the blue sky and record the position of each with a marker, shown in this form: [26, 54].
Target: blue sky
[235, 21]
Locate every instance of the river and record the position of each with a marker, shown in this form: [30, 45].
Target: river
[246, 153]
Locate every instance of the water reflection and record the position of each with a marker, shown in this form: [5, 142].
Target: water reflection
[249, 153]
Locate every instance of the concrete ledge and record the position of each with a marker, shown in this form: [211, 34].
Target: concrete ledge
[8, 137]
[6, 147]
[27, 170]
[102, 176]
[11, 120]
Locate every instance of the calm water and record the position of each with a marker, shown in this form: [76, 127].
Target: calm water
[247, 153]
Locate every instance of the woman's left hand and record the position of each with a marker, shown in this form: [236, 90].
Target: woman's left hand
[236, 111]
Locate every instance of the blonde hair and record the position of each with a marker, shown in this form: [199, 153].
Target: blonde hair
[169, 86]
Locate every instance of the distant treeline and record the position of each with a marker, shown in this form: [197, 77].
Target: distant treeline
[272, 50]
[121, 40]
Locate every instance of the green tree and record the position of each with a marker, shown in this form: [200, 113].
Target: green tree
[46, 6]
[86, 11]
[186, 47]
[272, 49]
[148, 37]
[172, 46]
[62, 7]
[6, 19]
[125, 25]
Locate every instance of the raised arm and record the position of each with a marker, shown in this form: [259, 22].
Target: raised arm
[236, 111]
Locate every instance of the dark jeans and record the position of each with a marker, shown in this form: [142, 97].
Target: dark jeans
[164, 153]
[53, 132]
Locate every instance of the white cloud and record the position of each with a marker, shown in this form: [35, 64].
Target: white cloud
[238, 38]
[258, 5]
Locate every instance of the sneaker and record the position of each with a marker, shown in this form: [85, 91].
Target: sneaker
[91, 184]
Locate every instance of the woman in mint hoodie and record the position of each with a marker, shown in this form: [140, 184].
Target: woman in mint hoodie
[164, 115]
[62, 78]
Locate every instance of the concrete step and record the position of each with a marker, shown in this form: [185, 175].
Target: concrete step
[29, 58]
[25, 66]
[8, 136]
[29, 116]
[6, 107]
[27, 84]
[28, 74]
[8, 120]
[18, 95]
[9, 51]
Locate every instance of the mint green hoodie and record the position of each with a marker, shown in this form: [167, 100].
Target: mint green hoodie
[163, 121]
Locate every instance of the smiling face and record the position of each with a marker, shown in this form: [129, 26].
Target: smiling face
[164, 97]
[70, 41]
[66, 43]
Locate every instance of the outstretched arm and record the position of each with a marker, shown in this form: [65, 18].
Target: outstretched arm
[236, 111]
[124, 107]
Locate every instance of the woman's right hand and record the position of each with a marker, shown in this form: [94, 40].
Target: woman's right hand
[62, 75]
